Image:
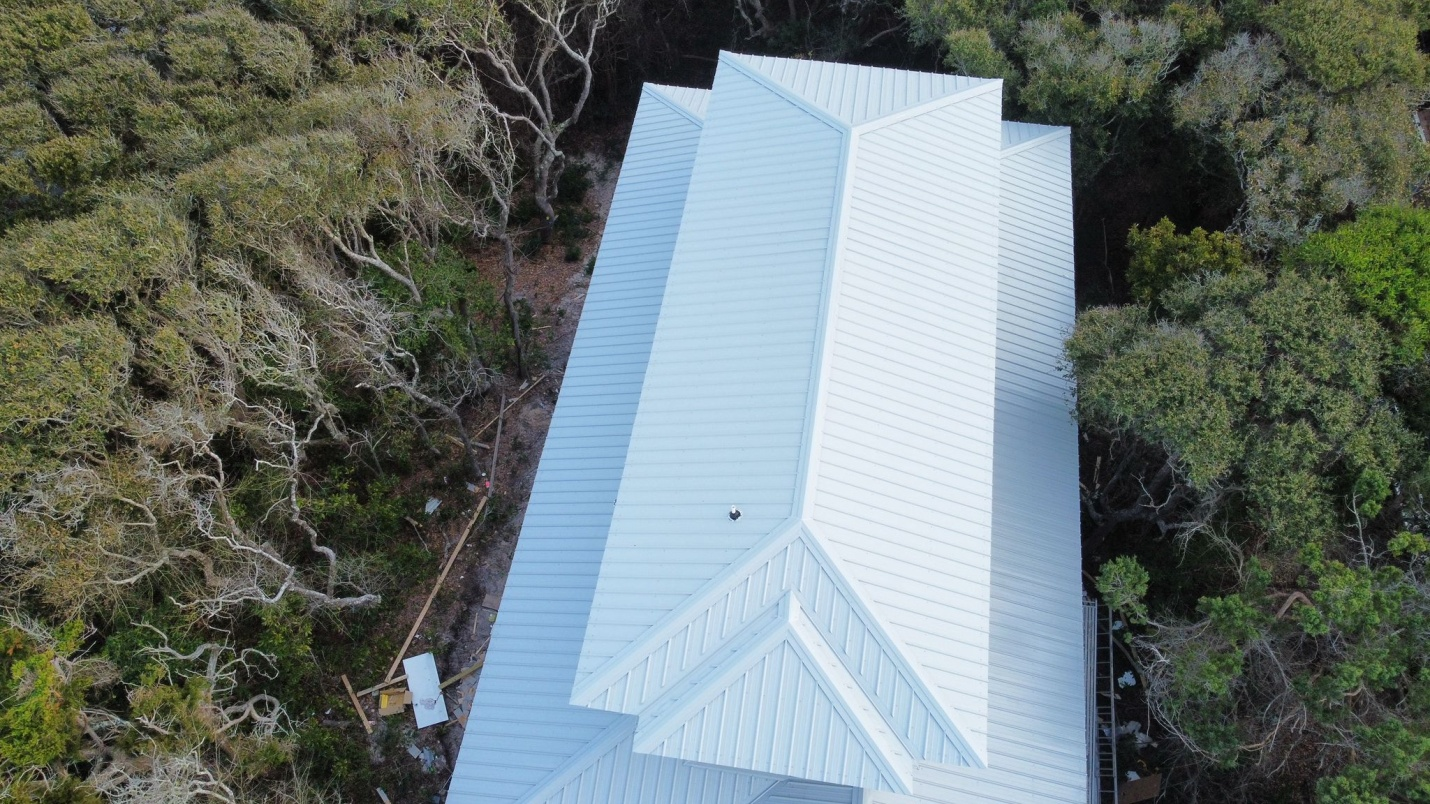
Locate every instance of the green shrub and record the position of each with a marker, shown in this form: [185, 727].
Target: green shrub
[1384, 259]
[1160, 257]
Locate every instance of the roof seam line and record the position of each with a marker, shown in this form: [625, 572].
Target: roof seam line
[609, 738]
[927, 107]
[1014, 150]
[785, 93]
[650, 89]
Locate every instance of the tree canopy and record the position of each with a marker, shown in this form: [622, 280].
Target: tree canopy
[235, 247]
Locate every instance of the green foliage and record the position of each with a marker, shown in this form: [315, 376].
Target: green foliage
[1384, 258]
[1122, 582]
[59, 387]
[288, 637]
[971, 51]
[1081, 74]
[932, 20]
[1303, 156]
[1161, 257]
[39, 708]
[334, 754]
[356, 513]
[116, 249]
[1268, 387]
[1345, 44]
[1408, 543]
[261, 190]
[227, 44]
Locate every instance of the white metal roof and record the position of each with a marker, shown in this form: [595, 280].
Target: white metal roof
[856, 344]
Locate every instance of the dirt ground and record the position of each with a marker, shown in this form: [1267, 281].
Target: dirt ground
[458, 627]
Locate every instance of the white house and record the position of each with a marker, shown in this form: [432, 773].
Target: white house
[805, 527]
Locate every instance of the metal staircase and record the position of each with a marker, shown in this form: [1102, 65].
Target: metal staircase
[1103, 777]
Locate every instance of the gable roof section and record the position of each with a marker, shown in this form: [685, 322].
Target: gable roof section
[687, 100]
[731, 365]
[523, 736]
[857, 345]
[854, 95]
[833, 370]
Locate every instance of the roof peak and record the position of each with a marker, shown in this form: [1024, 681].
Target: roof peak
[854, 95]
[690, 101]
[741, 689]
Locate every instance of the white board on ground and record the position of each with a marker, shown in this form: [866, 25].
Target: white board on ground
[427, 702]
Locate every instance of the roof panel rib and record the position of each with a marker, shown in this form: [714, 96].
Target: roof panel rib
[857, 344]
[731, 364]
[856, 95]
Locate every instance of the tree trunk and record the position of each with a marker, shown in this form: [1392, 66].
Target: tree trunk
[546, 166]
[509, 299]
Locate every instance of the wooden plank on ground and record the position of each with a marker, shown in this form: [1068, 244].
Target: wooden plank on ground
[352, 696]
[436, 587]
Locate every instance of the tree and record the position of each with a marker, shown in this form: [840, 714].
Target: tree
[532, 63]
[1346, 44]
[231, 272]
[1262, 394]
[1274, 496]
[1301, 157]
[1160, 257]
[1384, 258]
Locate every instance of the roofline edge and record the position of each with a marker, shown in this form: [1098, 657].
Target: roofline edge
[728, 58]
[1060, 132]
[653, 90]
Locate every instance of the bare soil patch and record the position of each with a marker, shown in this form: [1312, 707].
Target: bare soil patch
[458, 626]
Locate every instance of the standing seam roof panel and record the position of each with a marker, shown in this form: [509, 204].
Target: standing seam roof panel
[736, 333]
[910, 508]
[522, 727]
[1036, 724]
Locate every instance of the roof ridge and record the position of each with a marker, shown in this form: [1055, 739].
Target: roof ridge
[737, 62]
[917, 91]
[661, 92]
[791, 627]
[889, 646]
[610, 687]
[585, 690]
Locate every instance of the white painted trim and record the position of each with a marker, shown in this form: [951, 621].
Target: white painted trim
[585, 691]
[823, 343]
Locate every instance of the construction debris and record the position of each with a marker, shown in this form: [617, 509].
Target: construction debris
[436, 587]
[352, 696]
[427, 702]
[393, 702]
